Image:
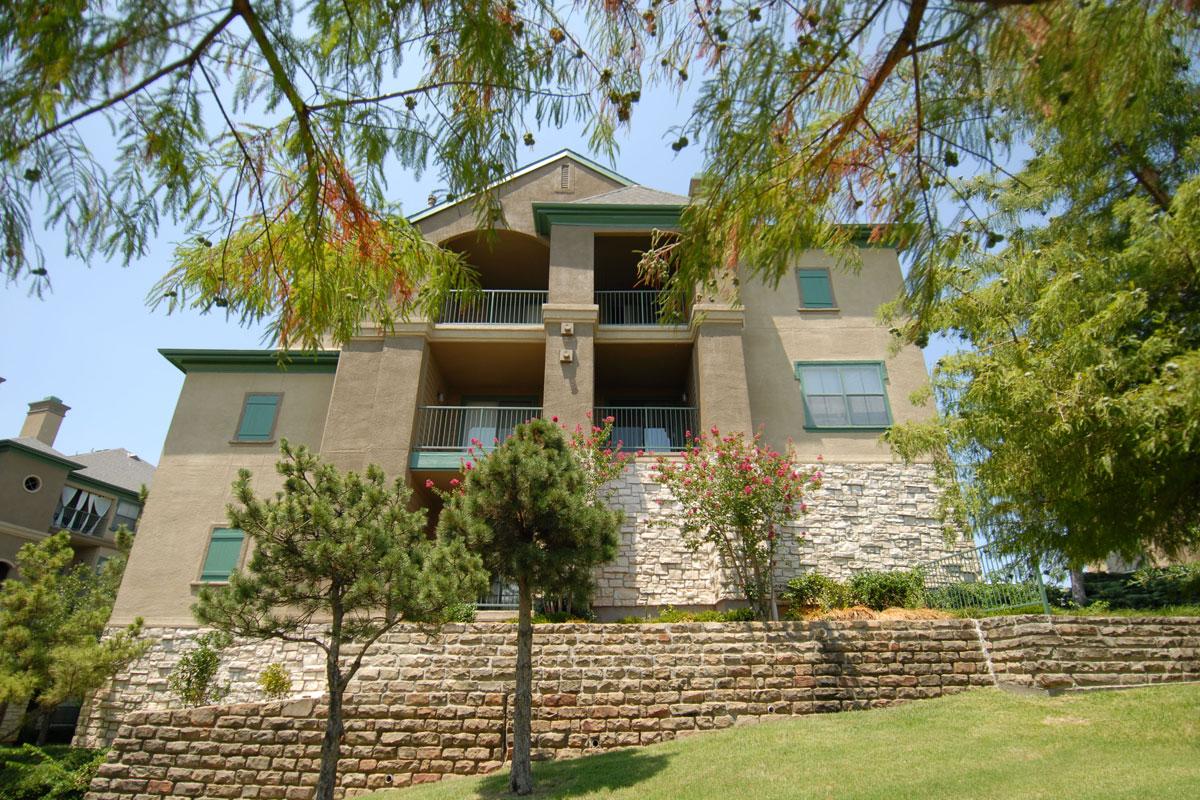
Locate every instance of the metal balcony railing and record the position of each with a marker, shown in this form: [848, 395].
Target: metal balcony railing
[650, 428]
[451, 428]
[630, 307]
[494, 307]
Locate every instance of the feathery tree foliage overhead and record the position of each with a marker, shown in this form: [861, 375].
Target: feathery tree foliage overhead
[270, 129]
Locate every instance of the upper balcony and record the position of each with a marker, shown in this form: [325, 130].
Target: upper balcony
[514, 273]
[624, 300]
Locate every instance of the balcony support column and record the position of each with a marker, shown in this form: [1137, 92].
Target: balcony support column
[720, 368]
[568, 390]
[373, 406]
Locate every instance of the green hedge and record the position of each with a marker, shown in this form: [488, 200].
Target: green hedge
[1149, 587]
[876, 590]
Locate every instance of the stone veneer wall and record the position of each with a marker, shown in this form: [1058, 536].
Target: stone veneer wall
[426, 707]
[865, 516]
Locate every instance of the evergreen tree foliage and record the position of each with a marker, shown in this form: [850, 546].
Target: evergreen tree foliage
[529, 508]
[339, 560]
[51, 621]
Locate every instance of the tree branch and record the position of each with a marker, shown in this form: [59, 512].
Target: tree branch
[191, 58]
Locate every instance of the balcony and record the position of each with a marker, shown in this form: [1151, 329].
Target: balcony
[494, 307]
[630, 307]
[444, 433]
[655, 429]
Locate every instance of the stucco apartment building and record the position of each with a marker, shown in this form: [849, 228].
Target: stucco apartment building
[43, 491]
[563, 329]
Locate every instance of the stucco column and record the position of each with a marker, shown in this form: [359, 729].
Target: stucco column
[373, 406]
[568, 389]
[721, 368]
[572, 257]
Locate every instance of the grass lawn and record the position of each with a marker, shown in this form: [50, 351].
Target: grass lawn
[1139, 743]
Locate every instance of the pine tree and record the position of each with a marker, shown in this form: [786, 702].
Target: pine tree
[530, 510]
[52, 621]
[338, 561]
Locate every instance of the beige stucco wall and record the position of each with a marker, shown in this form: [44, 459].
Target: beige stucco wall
[22, 508]
[777, 334]
[192, 483]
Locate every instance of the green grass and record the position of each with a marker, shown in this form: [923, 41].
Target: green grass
[1138, 743]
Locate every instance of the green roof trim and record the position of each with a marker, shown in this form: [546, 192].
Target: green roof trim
[85, 482]
[10, 444]
[604, 215]
[188, 361]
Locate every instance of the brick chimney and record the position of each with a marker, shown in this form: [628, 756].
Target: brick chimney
[44, 418]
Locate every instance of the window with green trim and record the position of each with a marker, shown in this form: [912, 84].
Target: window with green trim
[258, 418]
[224, 553]
[844, 395]
[816, 288]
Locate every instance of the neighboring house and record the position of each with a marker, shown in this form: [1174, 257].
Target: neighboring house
[43, 491]
[564, 329]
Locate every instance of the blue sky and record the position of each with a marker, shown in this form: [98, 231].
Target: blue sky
[93, 342]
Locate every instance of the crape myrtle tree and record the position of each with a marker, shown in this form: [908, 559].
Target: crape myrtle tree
[266, 129]
[338, 560]
[530, 509]
[52, 620]
[737, 496]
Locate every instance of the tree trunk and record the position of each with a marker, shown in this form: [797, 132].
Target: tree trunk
[521, 778]
[1078, 592]
[331, 748]
[43, 726]
[331, 744]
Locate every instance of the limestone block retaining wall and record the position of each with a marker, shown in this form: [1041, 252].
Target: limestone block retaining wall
[865, 516]
[1087, 652]
[424, 707]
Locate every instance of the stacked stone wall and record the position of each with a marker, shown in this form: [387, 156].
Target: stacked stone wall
[865, 516]
[1088, 652]
[425, 707]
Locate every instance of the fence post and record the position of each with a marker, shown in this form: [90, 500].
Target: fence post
[1037, 568]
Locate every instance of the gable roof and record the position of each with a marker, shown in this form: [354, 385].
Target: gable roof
[116, 467]
[567, 152]
[635, 195]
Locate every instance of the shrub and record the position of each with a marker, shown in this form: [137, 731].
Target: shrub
[880, 590]
[275, 682]
[194, 678]
[1148, 587]
[461, 612]
[49, 773]
[982, 595]
[815, 589]
[670, 614]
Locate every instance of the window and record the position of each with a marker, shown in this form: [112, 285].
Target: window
[126, 514]
[816, 288]
[847, 395]
[80, 511]
[32, 483]
[564, 178]
[258, 418]
[224, 553]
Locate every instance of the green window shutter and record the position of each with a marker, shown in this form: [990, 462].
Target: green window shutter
[258, 417]
[224, 550]
[816, 289]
